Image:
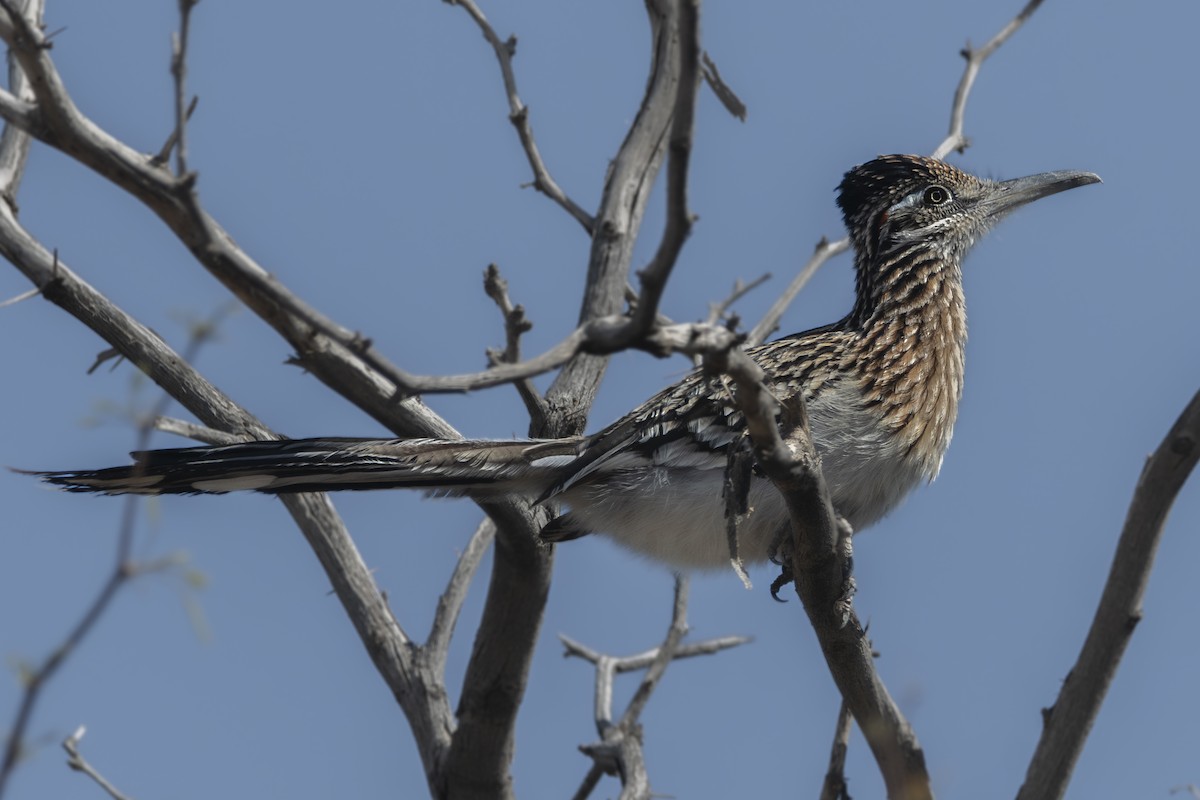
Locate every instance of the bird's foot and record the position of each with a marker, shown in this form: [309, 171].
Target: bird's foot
[780, 554]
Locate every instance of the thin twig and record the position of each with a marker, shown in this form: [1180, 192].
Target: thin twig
[179, 45]
[164, 153]
[76, 762]
[712, 76]
[191, 430]
[518, 114]
[717, 311]
[589, 783]
[766, 326]
[834, 787]
[1068, 722]
[12, 301]
[956, 139]
[666, 652]
[450, 604]
[644, 659]
[515, 324]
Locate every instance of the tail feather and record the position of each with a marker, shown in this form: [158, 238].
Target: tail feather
[442, 466]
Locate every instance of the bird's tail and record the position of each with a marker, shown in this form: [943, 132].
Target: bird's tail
[439, 466]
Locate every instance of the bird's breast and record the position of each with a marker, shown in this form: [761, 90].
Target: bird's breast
[883, 428]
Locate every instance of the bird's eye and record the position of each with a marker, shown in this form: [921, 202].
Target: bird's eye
[937, 195]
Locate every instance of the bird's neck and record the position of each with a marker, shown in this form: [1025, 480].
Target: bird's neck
[910, 323]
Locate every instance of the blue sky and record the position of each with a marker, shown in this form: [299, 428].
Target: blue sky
[366, 159]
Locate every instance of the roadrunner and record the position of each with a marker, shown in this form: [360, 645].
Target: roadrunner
[882, 387]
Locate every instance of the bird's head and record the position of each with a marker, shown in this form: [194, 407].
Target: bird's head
[901, 200]
[912, 219]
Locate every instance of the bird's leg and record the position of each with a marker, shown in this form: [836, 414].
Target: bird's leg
[844, 606]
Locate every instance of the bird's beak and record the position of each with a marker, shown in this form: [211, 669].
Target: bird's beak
[1008, 195]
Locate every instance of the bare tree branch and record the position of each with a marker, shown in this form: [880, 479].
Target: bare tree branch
[666, 653]
[643, 659]
[515, 324]
[190, 430]
[770, 321]
[14, 143]
[22, 297]
[718, 311]
[834, 786]
[450, 604]
[590, 781]
[179, 45]
[956, 139]
[620, 750]
[712, 76]
[164, 153]
[518, 114]
[1067, 723]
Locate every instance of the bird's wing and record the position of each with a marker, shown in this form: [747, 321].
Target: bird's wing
[692, 423]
